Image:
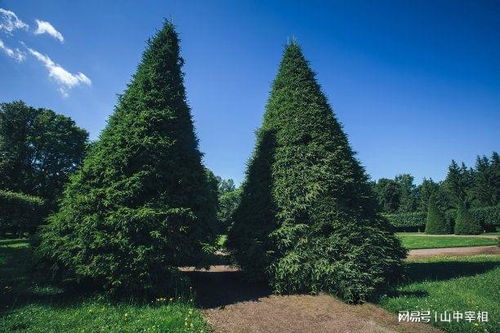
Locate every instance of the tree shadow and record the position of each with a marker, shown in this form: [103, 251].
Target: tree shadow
[445, 270]
[221, 286]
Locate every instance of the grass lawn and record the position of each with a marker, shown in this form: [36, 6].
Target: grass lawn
[427, 242]
[29, 307]
[451, 284]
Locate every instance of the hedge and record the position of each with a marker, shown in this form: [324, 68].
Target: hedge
[408, 221]
[489, 218]
[19, 212]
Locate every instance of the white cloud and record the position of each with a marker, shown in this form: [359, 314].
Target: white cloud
[44, 27]
[16, 54]
[10, 22]
[65, 79]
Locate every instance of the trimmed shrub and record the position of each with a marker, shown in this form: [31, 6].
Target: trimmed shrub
[20, 213]
[308, 219]
[465, 223]
[436, 221]
[407, 221]
[141, 204]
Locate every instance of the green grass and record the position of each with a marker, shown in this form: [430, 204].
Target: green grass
[27, 306]
[451, 284]
[427, 242]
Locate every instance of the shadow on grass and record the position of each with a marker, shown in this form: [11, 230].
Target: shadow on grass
[445, 270]
[19, 286]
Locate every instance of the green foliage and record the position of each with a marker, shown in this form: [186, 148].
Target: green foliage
[39, 149]
[436, 222]
[141, 204]
[408, 199]
[20, 212]
[407, 221]
[229, 198]
[488, 217]
[486, 188]
[458, 183]
[388, 194]
[307, 220]
[465, 224]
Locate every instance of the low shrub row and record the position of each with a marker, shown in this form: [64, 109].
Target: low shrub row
[488, 217]
[407, 221]
[19, 213]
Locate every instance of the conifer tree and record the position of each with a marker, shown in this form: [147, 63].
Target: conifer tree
[436, 221]
[308, 220]
[141, 203]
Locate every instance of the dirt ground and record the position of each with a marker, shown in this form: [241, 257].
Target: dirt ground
[231, 305]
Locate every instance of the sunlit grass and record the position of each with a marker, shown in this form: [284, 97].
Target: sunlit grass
[451, 284]
[410, 241]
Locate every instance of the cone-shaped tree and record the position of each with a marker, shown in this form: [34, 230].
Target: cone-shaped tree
[141, 203]
[308, 219]
[465, 224]
[436, 221]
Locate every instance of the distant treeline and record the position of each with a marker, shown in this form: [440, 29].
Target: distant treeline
[475, 187]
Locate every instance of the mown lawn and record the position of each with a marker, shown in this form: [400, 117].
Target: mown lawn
[451, 284]
[427, 242]
[26, 306]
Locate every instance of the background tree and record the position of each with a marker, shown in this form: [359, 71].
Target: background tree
[430, 188]
[407, 197]
[486, 178]
[465, 224]
[388, 195]
[141, 204]
[308, 218]
[458, 183]
[436, 221]
[229, 198]
[39, 149]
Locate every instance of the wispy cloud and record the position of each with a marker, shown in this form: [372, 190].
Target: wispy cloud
[10, 22]
[15, 54]
[64, 79]
[44, 27]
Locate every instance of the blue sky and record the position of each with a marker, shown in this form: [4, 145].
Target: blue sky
[415, 83]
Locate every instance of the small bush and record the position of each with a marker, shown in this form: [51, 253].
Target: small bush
[436, 221]
[465, 223]
[20, 212]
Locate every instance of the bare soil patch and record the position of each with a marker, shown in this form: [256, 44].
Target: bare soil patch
[233, 305]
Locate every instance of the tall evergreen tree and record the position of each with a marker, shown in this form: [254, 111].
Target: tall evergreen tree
[459, 183]
[436, 221]
[486, 188]
[308, 219]
[141, 204]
